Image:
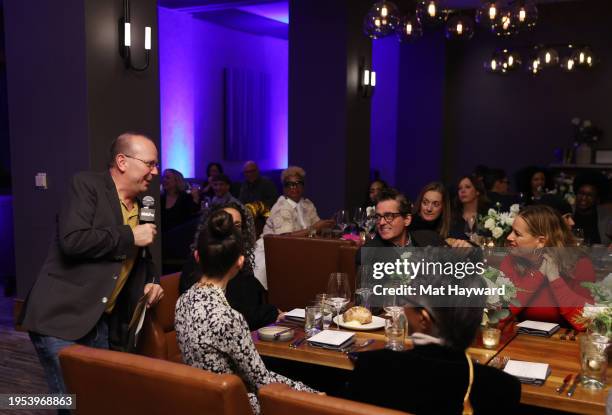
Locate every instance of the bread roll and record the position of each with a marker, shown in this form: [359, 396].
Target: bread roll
[359, 314]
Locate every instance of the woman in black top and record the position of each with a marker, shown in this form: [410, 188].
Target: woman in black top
[177, 205]
[244, 292]
[470, 202]
[434, 376]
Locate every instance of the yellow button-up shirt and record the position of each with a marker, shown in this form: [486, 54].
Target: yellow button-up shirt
[130, 217]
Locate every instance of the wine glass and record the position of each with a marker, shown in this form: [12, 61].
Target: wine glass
[360, 217]
[342, 220]
[579, 235]
[470, 226]
[338, 292]
[390, 302]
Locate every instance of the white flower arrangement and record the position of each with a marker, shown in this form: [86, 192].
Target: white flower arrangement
[499, 223]
[497, 306]
[598, 317]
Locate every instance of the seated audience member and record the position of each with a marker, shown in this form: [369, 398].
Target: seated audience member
[444, 379]
[213, 169]
[211, 335]
[292, 214]
[471, 201]
[374, 190]
[393, 217]
[533, 182]
[433, 212]
[561, 206]
[549, 279]
[496, 184]
[256, 188]
[592, 217]
[221, 185]
[177, 206]
[244, 292]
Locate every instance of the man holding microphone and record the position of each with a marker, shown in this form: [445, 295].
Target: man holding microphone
[98, 266]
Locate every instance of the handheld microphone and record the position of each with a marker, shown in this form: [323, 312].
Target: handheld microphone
[147, 215]
[147, 212]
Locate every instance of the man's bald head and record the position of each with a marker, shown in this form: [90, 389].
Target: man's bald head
[125, 144]
[250, 171]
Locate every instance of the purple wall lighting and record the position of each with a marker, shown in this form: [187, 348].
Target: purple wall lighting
[194, 53]
[176, 54]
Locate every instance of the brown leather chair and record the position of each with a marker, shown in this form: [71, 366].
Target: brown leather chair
[109, 382]
[280, 399]
[297, 269]
[346, 262]
[158, 337]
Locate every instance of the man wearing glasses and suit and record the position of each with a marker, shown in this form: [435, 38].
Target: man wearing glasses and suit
[98, 265]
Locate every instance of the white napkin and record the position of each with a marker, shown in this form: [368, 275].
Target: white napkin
[332, 337]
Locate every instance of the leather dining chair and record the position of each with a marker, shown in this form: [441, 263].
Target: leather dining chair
[280, 399]
[158, 337]
[110, 382]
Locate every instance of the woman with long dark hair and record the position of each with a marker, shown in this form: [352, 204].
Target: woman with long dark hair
[470, 202]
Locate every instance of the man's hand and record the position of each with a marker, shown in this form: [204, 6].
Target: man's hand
[144, 234]
[154, 293]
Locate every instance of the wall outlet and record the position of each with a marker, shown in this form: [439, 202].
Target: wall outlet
[40, 180]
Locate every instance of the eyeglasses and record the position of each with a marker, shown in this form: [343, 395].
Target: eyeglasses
[291, 185]
[388, 216]
[150, 164]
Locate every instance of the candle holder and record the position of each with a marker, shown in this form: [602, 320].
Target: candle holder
[490, 337]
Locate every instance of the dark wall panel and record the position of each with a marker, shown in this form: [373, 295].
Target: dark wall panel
[69, 96]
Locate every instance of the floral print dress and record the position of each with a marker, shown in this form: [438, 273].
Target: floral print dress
[215, 337]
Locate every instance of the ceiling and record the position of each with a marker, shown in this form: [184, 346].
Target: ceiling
[268, 17]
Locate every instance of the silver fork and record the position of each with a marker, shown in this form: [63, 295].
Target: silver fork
[354, 347]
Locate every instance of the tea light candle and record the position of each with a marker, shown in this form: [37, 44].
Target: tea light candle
[490, 337]
[594, 364]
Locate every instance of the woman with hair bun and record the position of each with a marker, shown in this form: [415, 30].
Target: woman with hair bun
[211, 335]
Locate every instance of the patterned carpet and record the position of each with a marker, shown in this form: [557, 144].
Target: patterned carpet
[20, 371]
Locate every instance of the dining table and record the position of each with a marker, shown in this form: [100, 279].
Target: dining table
[560, 352]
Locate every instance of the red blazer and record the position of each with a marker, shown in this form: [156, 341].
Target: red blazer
[557, 302]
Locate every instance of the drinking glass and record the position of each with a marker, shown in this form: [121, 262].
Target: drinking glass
[362, 297]
[395, 330]
[338, 292]
[470, 227]
[312, 321]
[326, 310]
[342, 220]
[359, 217]
[579, 235]
[390, 302]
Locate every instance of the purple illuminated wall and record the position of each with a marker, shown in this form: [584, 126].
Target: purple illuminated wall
[385, 62]
[193, 54]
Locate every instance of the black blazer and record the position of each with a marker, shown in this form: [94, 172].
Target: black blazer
[431, 379]
[84, 260]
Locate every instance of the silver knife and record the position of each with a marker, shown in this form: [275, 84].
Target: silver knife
[572, 388]
[566, 381]
[356, 347]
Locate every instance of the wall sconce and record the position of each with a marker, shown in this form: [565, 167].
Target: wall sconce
[367, 82]
[125, 40]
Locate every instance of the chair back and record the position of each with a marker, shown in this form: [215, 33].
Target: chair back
[158, 337]
[280, 399]
[109, 382]
[298, 269]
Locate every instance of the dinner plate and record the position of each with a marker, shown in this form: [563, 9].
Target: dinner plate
[375, 324]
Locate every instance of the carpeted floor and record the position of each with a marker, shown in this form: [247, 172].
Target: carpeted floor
[20, 371]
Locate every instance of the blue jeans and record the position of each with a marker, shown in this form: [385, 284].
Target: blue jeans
[48, 348]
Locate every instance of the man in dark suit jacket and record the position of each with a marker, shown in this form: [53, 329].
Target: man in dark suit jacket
[98, 266]
[393, 216]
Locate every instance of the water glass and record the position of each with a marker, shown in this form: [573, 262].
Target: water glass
[395, 330]
[326, 310]
[312, 322]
